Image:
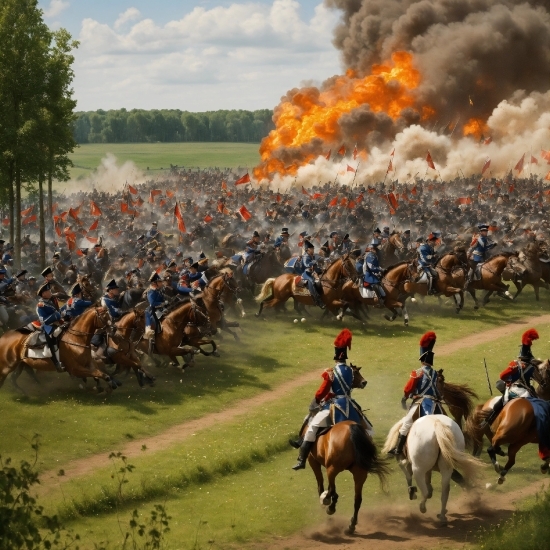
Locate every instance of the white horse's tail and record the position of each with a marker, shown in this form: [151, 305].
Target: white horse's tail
[391, 440]
[468, 465]
[267, 290]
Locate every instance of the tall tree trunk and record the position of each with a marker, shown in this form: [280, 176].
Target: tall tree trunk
[41, 221]
[11, 203]
[17, 216]
[50, 196]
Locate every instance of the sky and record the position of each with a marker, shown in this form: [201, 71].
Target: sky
[195, 56]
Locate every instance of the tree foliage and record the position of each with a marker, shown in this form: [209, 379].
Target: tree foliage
[171, 126]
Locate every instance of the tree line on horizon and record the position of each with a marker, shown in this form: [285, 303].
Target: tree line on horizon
[171, 126]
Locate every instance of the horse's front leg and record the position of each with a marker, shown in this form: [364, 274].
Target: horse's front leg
[513, 449]
[332, 494]
[359, 478]
[316, 467]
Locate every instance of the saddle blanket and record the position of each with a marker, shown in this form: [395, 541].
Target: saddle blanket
[298, 288]
[367, 292]
[541, 409]
[293, 265]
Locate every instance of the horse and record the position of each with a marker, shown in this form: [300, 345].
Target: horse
[435, 442]
[284, 253]
[387, 252]
[265, 265]
[233, 241]
[89, 292]
[458, 398]
[532, 273]
[346, 446]
[74, 349]
[219, 290]
[186, 325]
[491, 278]
[276, 291]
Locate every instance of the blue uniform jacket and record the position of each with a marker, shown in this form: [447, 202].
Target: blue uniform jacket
[112, 305]
[371, 269]
[279, 241]
[47, 315]
[75, 307]
[155, 298]
[426, 256]
[309, 266]
[5, 284]
[481, 248]
[426, 389]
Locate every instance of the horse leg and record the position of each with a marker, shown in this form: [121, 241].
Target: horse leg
[359, 478]
[14, 377]
[331, 477]
[536, 287]
[486, 297]
[519, 287]
[429, 483]
[446, 471]
[473, 295]
[513, 449]
[407, 470]
[420, 478]
[318, 472]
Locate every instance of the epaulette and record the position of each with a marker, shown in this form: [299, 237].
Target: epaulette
[40, 304]
[417, 373]
[330, 372]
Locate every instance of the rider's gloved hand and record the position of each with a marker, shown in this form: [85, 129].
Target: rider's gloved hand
[404, 403]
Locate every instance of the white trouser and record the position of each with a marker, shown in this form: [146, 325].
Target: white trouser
[320, 420]
[517, 391]
[408, 420]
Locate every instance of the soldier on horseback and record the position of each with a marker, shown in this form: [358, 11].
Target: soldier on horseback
[282, 238]
[427, 259]
[372, 272]
[156, 300]
[516, 378]
[309, 264]
[332, 402]
[76, 305]
[422, 387]
[50, 319]
[252, 248]
[479, 248]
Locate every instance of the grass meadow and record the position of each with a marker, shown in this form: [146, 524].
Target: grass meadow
[232, 483]
[156, 157]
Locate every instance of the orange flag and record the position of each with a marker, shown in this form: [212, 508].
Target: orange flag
[534, 160]
[430, 161]
[244, 179]
[304, 191]
[350, 169]
[94, 209]
[170, 194]
[124, 207]
[519, 165]
[94, 226]
[547, 177]
[27, 211]
[355, 152]
[132, 190]
[342, 150]
[243, 211]
[334, 201]
[29, 219]
[413, 190]
[327, 156]
[393, 201]
[208, 218]
[179, 218]
[224, 186]
[486, 166]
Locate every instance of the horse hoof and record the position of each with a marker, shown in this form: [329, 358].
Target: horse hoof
[497, 467]
[412, 493]
[413, 300]
[388, 318]
[324, 498]
[501, 480]
[457, 310]
[351, 530]
[422, 507]
[442, 520]
[331, 510]
[476, 307]
[216, 354]
[544, 468]
[406, 322]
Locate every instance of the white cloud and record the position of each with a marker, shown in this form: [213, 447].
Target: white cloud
[244, 55]
[131, 14]
[56, 7]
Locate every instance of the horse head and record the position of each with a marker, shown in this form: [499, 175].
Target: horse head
[358, 380]
[515, 266]
[396, 242]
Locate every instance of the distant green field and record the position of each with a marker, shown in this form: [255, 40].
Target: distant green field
[154, 157]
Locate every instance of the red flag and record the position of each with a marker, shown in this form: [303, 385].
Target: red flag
[278, 197]
[304, 191]
[534, 160]
[342, 150]
[390, 167]
[351, 204]
[94, 226]
[179, 218]
[124, 207]
[246, 215]
[511, 189]
[224, 186]
[519, 165]
[486, 166]
[162, 202]
[139, 202]
[430, 161]
[153, 194]
[252, 198]
[29, 219]
[413, 190]
[170, 194]
[344, 201]
[350, 169]
[208, 218]
[464, 200]
[359, 198]
[244, 179]
[27, 211]
[355, 152]
[334, 201]
[545, 155]
[132, 190]
[94, 209]
[327, 156]
[488, 140]
[393, 201]
[392, 153]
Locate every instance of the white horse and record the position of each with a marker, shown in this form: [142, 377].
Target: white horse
[435, 442]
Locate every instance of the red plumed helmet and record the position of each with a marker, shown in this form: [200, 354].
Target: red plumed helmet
[343, 340]
[529, 336]
[428, 339]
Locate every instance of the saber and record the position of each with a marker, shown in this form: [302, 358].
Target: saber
[487, 374]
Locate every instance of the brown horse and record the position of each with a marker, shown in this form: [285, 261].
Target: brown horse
[458, 398]
[186, 327]
[276, 291]
[346, 446]
[387, 252]
[532, 274]
[74, 348]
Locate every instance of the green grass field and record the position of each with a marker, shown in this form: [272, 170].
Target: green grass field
[232, 484]
[155, 157]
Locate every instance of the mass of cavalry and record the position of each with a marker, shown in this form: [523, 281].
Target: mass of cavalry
[127, 279]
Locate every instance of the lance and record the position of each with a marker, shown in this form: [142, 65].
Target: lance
[355, 174]
[487, 374]
[457, 121]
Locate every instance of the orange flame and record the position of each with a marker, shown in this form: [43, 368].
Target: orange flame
[307, 121]
[475, 127]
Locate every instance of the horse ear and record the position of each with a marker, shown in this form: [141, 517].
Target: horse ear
[440, 371]
[358, 368]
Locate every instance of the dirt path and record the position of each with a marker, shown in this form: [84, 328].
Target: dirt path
[403, 527]
[180, 432]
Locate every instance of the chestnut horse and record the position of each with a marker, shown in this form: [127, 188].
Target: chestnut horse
[74, 348]
[276, 291]
[346, 446]
[387, 251]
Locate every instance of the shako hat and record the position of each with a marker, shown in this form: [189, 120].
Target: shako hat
[342, 344]
[526, 341]
[427, 343]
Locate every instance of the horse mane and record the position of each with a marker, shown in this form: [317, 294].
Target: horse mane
[460, 395]
[393, 266]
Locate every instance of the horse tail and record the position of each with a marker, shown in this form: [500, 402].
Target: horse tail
[459, 460]
[391, 440]
[473, 434]
[366, 454]
[267, 290]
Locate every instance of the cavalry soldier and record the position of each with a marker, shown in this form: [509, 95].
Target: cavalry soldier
[50, 318]
[183, 287]
[372, 272]
[153, 232]
[195, 277]
[385, 234]
[427, 259]
[479, 248]
[422, 387]
[76, 305]
[110, 300]
[516, 377]
[406, 239]
[252, 248]
[346, 245]
[156, 300]
[282, 238]
[309, 263]
[334, 241]
[335, 393]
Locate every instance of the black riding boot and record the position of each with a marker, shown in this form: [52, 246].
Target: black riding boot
[51, 344]
[302, 456]
[499, 405]
[316, 297]
[296, 443]
[400, 446]
[469, 278]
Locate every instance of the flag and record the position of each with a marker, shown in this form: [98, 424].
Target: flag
[413, 190]
[278, 197]
[359, 198]
[153, 194]
[393, 201]
[304, 191]
[534, 160]
[547, 177]
[351, 204]
[208, 218]
[392, 153]
[224, 186]
[246, 215]
[124, 207]
[334, 201]
[170, 194]
[94, 209]
[355, 152]
[519, 165]
[27, 212]
[29, 219]
[342, 150]
[464, 200]
[139, 202]
[252, 198]
[94, 226]
[390, 167]
[162, 202]
[344, 201]
[244, 179]
[430, 161]
[317, 196]
[73, 214]
[350, 169]
[486, 166]
[132, 190]
[545, 155]
[327, 156]
[488, 140]
[511, 189]
[179, 218]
